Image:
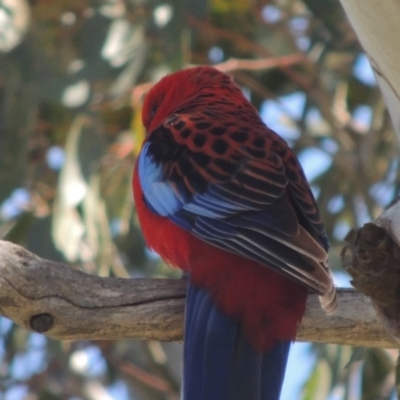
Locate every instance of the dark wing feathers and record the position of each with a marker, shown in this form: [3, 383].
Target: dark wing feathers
[238, 188]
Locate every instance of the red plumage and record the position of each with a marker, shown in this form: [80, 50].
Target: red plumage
[220, 168]
[269, 304]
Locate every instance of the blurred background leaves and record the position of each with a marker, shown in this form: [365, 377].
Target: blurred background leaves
[72, 77]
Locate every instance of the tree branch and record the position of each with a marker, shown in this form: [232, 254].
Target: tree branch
[63, 303]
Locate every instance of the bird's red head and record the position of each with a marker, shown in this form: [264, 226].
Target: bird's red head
[174, 90]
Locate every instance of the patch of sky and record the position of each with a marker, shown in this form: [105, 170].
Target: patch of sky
[37, 340]
[362, 117]
[303, 42]
[3, 364]
[16, 392]
[246, 93]
[383, 192]
[271, 14]
[314, 161]
[329, 145]
[19, 368]
[152, 254]
[342, 279]
[30, 362]
[299, 25]
[88, 361]
[215, 55]
[15, 204]
[5, 325]
[55, 157]
[335, 204]
[362, 70]
[316, 190]
[281, 116]
[340, 230]
[361, 211]
[116, 226]
[118, 390]
[35, 361]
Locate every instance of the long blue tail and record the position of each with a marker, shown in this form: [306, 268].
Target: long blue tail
[219, 363]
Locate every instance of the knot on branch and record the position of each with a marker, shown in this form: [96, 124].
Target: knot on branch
[41, 323]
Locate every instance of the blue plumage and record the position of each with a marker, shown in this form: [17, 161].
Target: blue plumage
[158, 192]
[243, 374]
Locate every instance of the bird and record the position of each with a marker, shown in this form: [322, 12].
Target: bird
[222, 197]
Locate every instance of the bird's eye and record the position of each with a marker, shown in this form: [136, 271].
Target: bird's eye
[153, 111]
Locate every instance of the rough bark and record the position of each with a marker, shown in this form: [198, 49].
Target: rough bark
[372, 257]
[64, 303]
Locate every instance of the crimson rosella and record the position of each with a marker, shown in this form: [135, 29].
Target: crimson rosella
[221, 196]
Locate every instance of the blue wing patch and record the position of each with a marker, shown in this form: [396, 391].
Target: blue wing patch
[158, 193]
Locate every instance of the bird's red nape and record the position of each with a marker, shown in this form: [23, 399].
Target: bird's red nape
[163, 99]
